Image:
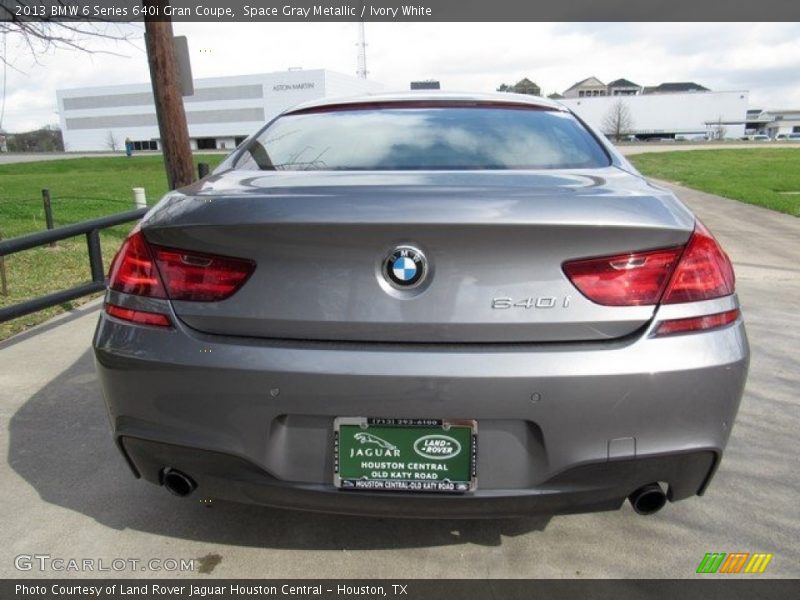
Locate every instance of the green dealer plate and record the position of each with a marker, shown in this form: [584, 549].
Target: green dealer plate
[405, 455]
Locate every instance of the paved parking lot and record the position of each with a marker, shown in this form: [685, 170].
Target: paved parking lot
[26, 157]
[66, 492]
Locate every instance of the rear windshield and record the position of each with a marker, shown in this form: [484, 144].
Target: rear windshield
[431, 138]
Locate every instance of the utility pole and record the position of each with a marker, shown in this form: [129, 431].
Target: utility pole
[167, 94]
[362, 52]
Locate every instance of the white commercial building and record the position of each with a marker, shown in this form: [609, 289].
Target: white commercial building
[690, 114]
[221, 112]
[781, 122]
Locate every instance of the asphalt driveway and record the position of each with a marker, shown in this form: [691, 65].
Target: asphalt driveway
[66, 492]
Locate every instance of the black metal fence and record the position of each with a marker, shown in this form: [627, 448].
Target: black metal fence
[91, 229]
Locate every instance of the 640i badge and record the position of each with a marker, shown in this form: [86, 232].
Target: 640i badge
[411, 455]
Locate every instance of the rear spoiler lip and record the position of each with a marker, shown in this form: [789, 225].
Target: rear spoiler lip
[416, 104]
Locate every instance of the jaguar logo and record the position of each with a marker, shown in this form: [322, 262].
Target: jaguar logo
[437, 447]
[368, 438]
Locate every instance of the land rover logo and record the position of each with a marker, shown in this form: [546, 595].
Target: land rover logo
[437, 447]
[406, 267]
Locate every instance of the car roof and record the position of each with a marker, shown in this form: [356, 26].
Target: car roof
[432, 96]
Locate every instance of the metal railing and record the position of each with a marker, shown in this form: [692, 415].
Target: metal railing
[91, 229]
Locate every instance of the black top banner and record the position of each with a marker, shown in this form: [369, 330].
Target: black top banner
[228, 11]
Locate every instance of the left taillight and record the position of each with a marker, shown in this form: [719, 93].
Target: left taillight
[133, 270]
[196, 277]
[142, 269]
[143, 317]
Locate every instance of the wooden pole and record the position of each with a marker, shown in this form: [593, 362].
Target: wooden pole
[48, 211]
[167, 94]
[3, 281]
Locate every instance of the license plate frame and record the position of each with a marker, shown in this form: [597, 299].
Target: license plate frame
[442, 452]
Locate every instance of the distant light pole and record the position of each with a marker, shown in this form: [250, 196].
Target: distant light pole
[362, 52]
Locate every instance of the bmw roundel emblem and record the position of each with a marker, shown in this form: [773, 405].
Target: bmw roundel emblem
[406, 267]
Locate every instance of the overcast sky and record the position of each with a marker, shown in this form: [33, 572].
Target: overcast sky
[763, 58]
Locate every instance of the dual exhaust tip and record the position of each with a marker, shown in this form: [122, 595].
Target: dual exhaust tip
[646, 500]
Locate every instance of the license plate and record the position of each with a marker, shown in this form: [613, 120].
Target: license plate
[405, 455]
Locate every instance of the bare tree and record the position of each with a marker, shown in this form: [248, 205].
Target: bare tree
[42, 34]
[618, 122]
[719, 131]
[111, 142]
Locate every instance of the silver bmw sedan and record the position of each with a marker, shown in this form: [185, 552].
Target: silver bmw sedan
[424, 305]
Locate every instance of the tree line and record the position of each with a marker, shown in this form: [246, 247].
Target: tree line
[46, 139]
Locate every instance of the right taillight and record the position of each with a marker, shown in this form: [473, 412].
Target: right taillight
[632, 279]
[672, 326]
[703, 273]
[698, 271]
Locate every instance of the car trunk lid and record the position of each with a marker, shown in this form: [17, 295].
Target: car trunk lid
[494, 242]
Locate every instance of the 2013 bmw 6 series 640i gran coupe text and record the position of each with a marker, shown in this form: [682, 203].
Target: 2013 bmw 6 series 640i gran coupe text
[428, 305]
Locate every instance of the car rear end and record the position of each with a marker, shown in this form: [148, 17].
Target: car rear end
[570, 335]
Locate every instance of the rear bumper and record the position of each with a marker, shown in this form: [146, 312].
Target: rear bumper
[595, 487]
[563, 428]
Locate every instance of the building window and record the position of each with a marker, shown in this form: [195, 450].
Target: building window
[239, 139]
[145, 145]
[206, 143]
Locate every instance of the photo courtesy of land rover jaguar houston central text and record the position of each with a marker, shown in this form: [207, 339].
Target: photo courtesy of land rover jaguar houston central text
[424, 305]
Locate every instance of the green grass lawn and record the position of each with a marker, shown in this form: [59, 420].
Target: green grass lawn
[768, 177]
[81, 189]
